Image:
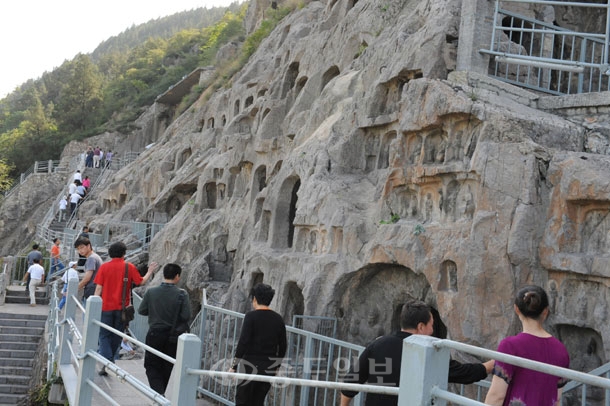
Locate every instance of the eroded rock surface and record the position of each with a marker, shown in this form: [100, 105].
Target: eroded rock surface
[348, 169]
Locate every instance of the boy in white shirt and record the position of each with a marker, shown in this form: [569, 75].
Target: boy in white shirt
[70, 273]
[36, 272]
[63, 205]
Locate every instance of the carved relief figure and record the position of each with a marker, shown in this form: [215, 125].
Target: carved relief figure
[428, 207]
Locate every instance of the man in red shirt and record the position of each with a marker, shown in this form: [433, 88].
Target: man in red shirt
[109, 285]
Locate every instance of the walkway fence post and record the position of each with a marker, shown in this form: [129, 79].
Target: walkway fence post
[423, 368]
[50, 168]
[188, 356]
[91, 333]
[65, 356]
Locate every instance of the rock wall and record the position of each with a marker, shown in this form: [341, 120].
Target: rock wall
[351, 168]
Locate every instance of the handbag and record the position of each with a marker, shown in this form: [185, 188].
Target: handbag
[183, 326]
[127, 312]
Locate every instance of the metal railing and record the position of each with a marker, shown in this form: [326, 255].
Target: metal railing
[581, 390]
[427, 381]
[303, 378]
[38, 167]
[309, 356]
[545, 57]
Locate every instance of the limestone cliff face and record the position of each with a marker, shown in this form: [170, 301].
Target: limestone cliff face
[349, 167]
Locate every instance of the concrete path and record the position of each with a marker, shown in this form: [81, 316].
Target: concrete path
[122, 392]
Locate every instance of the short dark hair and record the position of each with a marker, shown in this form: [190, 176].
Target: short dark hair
[35, 246]
[81, 241]
[440, 329]
[36, 260]
[262, 293]
[171, 270]
[117, 249]
[414, 312]
[55, 239]
[531, 301]
[86, 228]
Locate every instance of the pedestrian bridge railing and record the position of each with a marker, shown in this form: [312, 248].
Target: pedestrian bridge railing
[310, 374]
[545, 57]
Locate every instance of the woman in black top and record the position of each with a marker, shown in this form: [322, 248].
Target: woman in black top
[261, 346]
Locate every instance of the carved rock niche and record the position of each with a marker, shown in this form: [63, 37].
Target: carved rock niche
[361, 319]
[586, 350]
[447, 277]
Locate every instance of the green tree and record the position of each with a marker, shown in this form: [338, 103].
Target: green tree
[81, 98]
[5, 175]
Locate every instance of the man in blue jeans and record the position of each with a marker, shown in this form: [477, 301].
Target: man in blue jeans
[109, 285]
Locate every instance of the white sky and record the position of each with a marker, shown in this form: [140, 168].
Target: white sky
[39, 35]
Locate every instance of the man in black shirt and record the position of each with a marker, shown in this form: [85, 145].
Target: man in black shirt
[261, 346]
[379, 363]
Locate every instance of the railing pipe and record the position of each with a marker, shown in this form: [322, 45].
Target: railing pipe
[559, 3]
[284, 381]
[438, 393]
[135, 341]
[125, 376]
[525, 363]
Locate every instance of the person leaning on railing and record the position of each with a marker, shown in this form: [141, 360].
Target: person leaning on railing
[380, 362]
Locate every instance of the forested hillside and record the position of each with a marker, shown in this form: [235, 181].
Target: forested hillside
[107, 89]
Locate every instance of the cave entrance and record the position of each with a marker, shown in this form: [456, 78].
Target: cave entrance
[370, 300]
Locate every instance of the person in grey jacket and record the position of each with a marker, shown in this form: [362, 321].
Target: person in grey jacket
[166, 306]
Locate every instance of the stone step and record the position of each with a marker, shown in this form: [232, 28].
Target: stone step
[19, 338]
[14, 389]
[18, 371]
[17, 363]
[15, 380]
[21, 292]
[17, 353]
[26, 299]
[35, 331]
[22, 322]
[23, 316]
[10, 399]
[20, 345]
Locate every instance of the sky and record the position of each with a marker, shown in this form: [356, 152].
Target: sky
[39, 35]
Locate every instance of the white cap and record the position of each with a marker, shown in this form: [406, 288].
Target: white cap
[72, 263]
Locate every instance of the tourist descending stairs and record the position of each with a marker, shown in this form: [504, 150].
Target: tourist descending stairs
[20, 335]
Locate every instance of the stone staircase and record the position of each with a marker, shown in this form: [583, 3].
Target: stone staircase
[20, 335]
[59, 226]
[18, 295]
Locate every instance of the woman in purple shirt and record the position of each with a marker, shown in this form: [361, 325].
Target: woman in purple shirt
[516, 386]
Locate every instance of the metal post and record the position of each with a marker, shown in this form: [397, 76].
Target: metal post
[307, 366]
[91, 333]
[188, 356]
[36, 167]
[70, 313]
[50, 168]
[423, 367]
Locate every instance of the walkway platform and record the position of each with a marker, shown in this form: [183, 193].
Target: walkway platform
[120, 391]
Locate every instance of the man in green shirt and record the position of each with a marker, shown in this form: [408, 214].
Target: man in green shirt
[166, 307]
